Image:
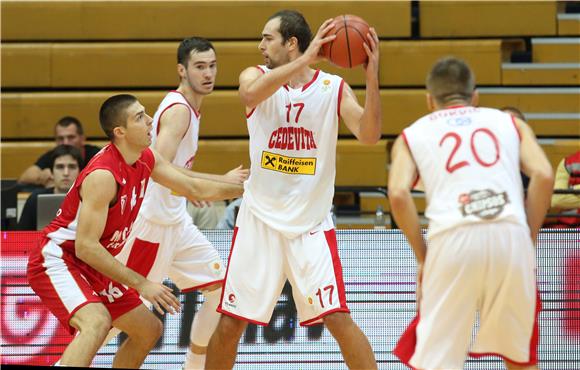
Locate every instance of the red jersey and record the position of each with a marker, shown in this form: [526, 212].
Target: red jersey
[131, 184]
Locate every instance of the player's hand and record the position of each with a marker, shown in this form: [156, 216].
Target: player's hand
[419, 291]
[372, 49]
[160, 296]
[312, 54]
[237, 176]
[201, 203]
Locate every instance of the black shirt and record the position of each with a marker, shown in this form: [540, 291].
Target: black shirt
[28, 217]
[44, 160]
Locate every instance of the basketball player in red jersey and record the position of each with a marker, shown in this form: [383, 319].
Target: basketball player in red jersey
[480, 254]
[284, 229]
[73, 270]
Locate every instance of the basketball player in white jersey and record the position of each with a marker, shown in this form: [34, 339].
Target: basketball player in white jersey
[164, 242]
[480, 254]
[284, 229]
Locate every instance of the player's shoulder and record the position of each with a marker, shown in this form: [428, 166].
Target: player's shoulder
[147, 158]
[173, 97]
[254, 71]
[325, 76]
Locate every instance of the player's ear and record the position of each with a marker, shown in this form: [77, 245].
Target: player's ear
[119, 132]
[475, 98]
[430, 102]
[181, 70]
[292, 43]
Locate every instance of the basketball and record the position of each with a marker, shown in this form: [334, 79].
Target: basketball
[347, 50]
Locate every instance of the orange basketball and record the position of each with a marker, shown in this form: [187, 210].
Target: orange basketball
[347, 50]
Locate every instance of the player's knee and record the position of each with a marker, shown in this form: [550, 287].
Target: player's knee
[154, 330]
[96, 323]
[337, 321]
[231, 327]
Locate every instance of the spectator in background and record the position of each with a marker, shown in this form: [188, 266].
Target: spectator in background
[206, 215]
[68, 131]
[568, 178]
[228, 220]
[66, 162]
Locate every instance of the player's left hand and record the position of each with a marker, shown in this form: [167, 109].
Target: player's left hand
[238, 175]
[372, 49]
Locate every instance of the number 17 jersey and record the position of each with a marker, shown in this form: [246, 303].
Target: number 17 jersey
[468, 159]
[293, 136]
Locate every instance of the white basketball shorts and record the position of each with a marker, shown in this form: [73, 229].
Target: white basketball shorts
[261, 259]
[178, 251]
[487, 268]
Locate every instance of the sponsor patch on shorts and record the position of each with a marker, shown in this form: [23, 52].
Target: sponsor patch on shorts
[288, 165]
[485, 204]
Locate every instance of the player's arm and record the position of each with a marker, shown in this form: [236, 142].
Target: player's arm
[98, 191]
[564, 201]
[234, 176]
[173, 125]
[536, 166]
[255, 86]
[402, 175]
[365, 123]
[192, 188]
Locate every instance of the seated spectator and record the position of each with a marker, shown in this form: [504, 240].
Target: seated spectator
[66, 161]
[568, 178]
[228, 220]
[67, 131]
[206, 215]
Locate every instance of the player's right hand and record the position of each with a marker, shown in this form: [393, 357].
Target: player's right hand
[160, 296]
[312, 54]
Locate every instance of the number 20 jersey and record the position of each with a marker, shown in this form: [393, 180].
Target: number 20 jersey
[468, 159]
[293, 137]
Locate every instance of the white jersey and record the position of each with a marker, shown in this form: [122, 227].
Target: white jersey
[293, 138]
[160, 205]
[468, 160]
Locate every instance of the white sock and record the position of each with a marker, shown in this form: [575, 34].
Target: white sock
[202, 328]
[193, 361]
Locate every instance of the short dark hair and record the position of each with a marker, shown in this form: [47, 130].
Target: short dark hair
[69, 120]
[62, 150]
[293, 24]
[514, 112]
[113, 112]
[199, 44]
[451, 79]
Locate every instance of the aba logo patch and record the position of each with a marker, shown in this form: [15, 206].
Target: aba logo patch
[485, 204]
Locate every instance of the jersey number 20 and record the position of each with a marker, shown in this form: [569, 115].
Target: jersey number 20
[451, 166]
